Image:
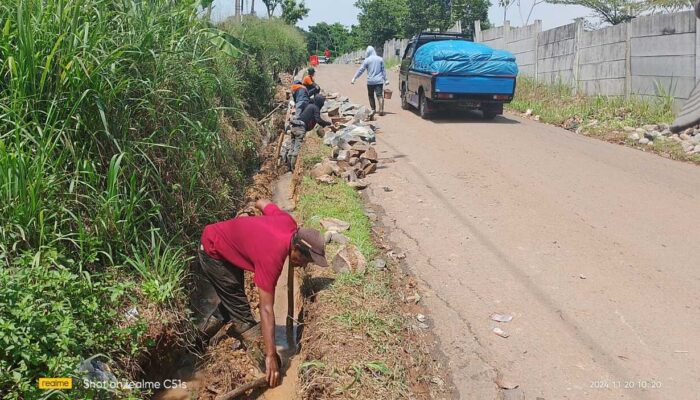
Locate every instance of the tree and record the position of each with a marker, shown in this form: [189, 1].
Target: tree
[336, 37]
[613, 12]
[428, 15]
[534, 4]
[469, 11]
[293, 12]
[380, 20]
[505, 4]
[671, 5]
[271, 6]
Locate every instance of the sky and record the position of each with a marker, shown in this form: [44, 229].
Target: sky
[344, 11]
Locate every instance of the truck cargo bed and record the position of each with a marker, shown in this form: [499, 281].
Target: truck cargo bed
[475, 85]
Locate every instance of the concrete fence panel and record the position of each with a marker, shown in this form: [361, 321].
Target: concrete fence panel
[650, 56]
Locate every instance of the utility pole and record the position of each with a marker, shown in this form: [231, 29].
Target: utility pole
[237, 8]
[252, 7]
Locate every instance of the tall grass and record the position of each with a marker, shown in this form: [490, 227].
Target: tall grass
[556, 104]
[112, 158]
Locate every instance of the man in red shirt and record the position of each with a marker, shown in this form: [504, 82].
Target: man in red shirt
[259, 245]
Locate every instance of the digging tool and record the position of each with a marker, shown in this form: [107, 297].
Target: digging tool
[290, 304]
[241, 390]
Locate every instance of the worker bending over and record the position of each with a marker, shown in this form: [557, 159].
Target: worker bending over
[259, 245]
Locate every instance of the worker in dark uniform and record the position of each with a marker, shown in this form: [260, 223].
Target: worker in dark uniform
[307, 120]
[310, 83]
[301, 97]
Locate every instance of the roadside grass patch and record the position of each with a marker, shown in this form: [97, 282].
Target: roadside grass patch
[557, 104]
[358, 341]
[602, 117]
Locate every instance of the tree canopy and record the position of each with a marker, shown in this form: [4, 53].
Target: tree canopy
[335, 37]
[381, 20]
[293, 11]
[616, 12]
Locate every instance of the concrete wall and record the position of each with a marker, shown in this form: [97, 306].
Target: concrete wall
[602, 62]
[652, 55]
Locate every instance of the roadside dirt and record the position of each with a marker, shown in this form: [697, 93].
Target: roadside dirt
[591, 247]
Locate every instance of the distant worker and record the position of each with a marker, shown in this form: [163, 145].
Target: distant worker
[376, 78]
[309, 118]
[300, 95]
[310, 83]
[259, 245]
[327, 54]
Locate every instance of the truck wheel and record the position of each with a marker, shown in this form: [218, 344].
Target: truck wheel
[423, 106]
[492, 111]
[404, 100]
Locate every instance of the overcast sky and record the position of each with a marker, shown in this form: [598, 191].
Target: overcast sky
[344, 11]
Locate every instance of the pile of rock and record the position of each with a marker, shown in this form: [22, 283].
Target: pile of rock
[648, 134]
[354, 155]
[351, 161]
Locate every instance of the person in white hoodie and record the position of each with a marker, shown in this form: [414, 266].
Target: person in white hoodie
[376, 78]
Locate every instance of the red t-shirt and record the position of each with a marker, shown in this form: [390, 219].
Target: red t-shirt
[256, 244]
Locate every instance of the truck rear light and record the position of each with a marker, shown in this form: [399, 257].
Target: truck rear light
[501, 97]
[445, 96]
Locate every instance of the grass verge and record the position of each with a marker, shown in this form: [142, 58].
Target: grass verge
[602, 117]
[360, 338]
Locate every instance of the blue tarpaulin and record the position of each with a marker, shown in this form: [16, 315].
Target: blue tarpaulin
[460, 57]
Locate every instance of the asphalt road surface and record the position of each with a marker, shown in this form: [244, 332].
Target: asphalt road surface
[594, 249]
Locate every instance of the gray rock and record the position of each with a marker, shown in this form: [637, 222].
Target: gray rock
[628, 129]
[378, 264]
[342, 155]
[325, 179]
[650, 127]
[688, 132]
[334, 224]
[644, 141]
[358, 184]
[641, 131]
[684, 136]
[651, 135]
[696, 149]
[633, 136]
[339, 238]
[666, 132]
[349, 258]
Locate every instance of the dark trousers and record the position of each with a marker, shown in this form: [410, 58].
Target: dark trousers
[375, 90]
[229, 284]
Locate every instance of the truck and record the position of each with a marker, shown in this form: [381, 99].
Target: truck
[443, 70]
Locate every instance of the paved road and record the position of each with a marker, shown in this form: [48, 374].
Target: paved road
[593, 247]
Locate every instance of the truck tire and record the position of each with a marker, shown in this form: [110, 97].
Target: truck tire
[423, 106]
[404, 99]
[491, 111]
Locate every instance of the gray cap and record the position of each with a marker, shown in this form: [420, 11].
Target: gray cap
[313, 242]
